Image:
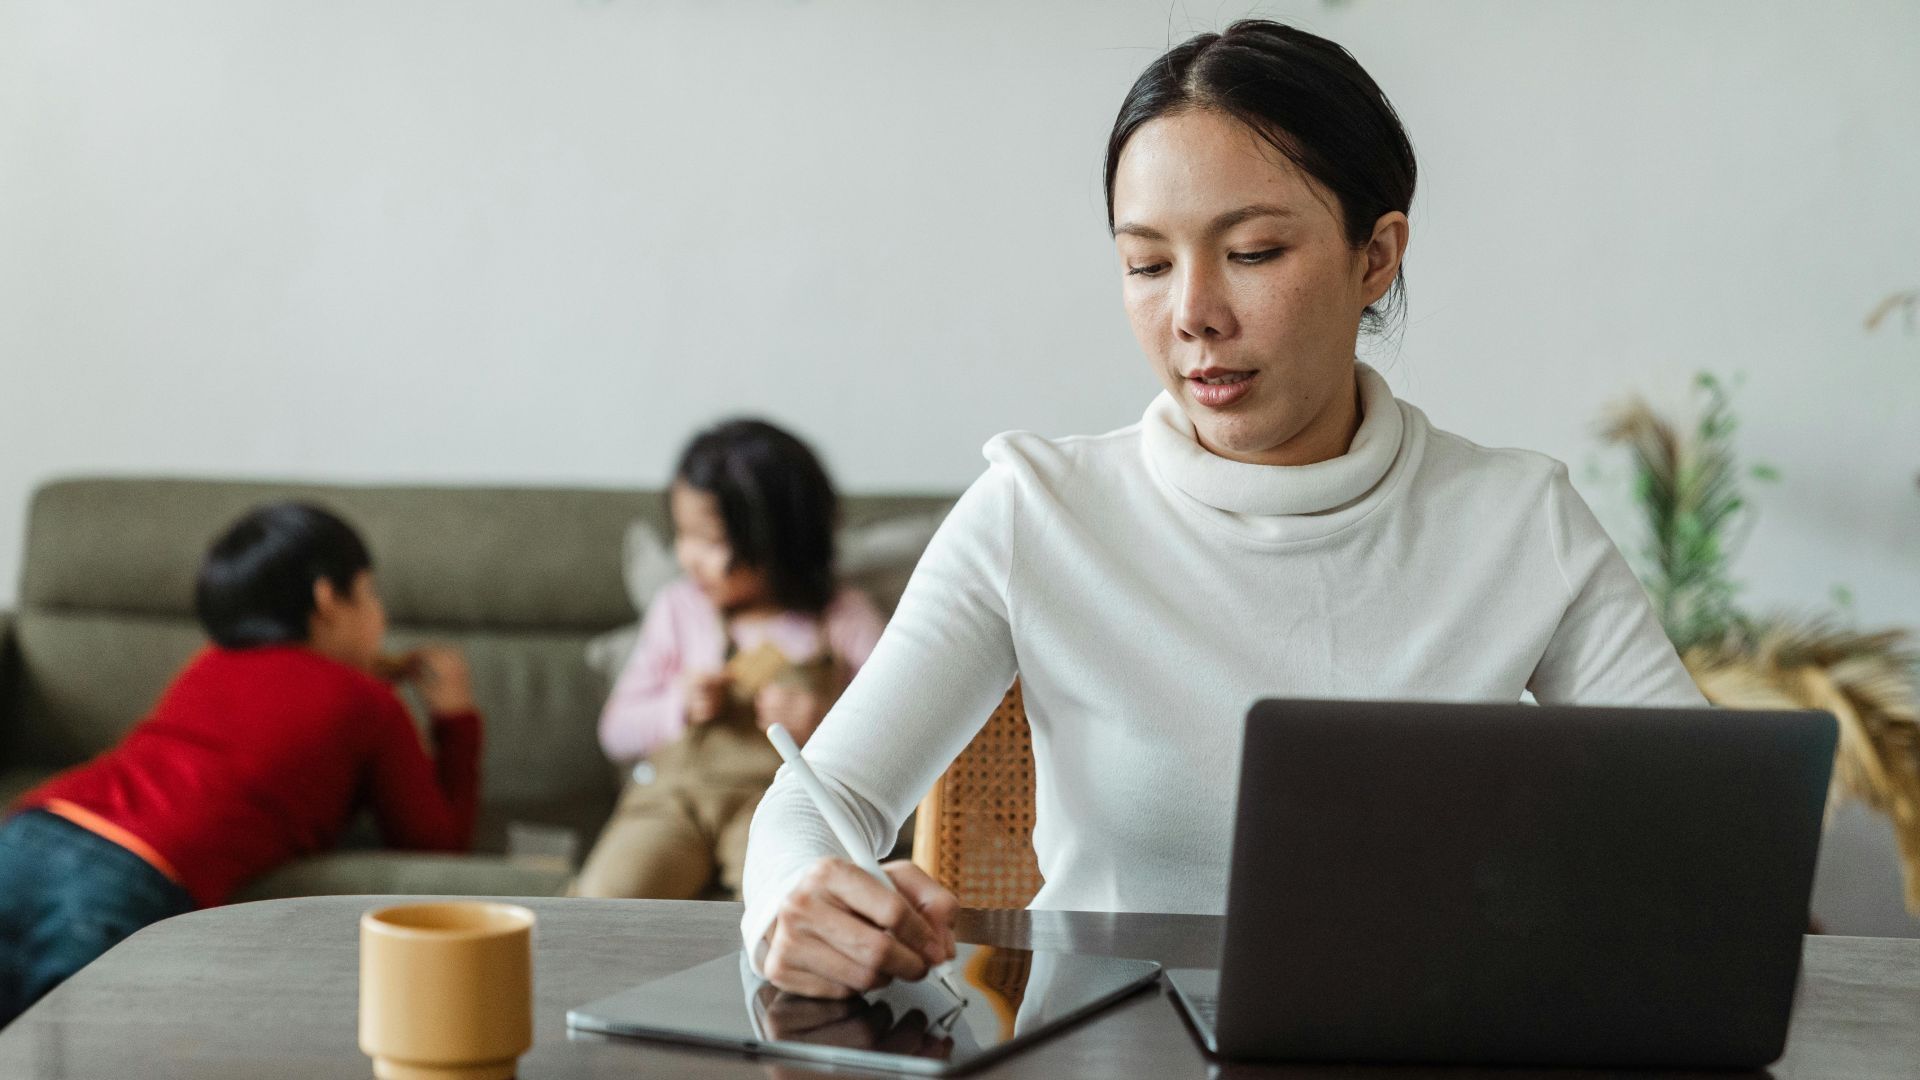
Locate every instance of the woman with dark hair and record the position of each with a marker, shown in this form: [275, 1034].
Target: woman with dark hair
[758, 632]
[1276, 524]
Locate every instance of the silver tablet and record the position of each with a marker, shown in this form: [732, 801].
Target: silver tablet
[1013, 997]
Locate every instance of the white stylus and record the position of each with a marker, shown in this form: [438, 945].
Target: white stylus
[843, 830]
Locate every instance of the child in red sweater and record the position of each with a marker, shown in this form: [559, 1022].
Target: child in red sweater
[259, 752]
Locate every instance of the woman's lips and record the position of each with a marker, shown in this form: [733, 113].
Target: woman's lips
[1217, 389]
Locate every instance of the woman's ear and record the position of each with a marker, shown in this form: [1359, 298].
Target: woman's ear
[1383, 254]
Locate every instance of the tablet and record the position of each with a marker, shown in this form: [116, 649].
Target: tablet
[1013, 997]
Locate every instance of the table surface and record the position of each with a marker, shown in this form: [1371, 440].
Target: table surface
[270, 989]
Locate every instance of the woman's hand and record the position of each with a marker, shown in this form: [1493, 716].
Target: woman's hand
[439, 672]
[799, 709]
[840, 932]
[707, 696]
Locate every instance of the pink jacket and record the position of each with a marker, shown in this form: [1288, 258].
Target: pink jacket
[682, 634]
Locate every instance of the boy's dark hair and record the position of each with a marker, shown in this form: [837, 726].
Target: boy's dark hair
[256, 583]
[777, 504]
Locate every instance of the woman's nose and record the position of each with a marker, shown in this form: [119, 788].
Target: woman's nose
[1201, 311]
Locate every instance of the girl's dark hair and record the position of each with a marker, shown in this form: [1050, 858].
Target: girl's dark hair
[1306, 96]
[778, 505]
[256, 583]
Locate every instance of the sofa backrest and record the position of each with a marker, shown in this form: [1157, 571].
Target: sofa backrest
[520, 578]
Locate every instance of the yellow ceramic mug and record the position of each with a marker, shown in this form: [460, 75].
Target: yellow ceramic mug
[446, 990]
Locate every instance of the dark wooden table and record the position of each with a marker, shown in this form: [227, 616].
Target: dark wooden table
[269, 990]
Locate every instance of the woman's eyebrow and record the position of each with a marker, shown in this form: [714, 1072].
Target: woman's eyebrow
[1214, 228]
[1245, 214]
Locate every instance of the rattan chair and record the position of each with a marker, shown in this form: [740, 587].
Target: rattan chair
[974, 831]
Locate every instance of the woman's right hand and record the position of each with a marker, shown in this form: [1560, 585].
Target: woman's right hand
[840, 932]
[707, 696]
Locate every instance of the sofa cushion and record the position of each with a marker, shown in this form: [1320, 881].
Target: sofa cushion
[453, 557]
[17, 782]
[389, 873]
[542, 707]
[85, 677]
[446, 556]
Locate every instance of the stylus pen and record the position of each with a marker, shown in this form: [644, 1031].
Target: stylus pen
[843, 830]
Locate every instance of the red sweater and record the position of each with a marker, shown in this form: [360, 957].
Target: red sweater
[255, 756]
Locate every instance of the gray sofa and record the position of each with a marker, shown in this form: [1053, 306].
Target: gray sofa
[520, 578]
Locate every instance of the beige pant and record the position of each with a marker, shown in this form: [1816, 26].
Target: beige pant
[669, 841]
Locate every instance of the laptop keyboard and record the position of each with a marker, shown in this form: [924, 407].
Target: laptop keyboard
[1205, 1007]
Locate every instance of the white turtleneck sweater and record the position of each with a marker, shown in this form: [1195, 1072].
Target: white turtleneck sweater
[1147, 592]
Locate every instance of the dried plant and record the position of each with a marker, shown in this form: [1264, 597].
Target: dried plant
[1905, 302]
[1908, 303]
[1687, 487]
[1866, 680]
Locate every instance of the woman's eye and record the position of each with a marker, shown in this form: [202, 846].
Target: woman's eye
[1149, 270]
[1253, 258]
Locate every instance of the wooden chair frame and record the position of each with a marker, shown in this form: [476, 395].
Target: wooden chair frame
[974, 830]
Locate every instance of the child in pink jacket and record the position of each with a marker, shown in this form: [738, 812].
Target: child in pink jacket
[758, 632]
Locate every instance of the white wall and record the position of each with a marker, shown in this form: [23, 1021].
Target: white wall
[540, 241]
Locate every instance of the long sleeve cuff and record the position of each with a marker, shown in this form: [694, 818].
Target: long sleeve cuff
[761, 912]
[787, 838]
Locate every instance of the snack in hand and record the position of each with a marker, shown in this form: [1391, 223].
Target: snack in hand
[753, 669]
[396, 667]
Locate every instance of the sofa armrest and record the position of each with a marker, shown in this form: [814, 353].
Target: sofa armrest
[9, 654]
[9, 672]
[405, 873]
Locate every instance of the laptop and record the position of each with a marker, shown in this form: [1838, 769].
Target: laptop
[1516, 885]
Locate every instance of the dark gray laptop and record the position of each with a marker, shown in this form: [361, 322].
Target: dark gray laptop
[1473, 884]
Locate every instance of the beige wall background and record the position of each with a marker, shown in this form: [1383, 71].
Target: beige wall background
[541, 241]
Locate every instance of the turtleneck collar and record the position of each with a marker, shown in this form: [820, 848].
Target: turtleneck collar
[1266, 491]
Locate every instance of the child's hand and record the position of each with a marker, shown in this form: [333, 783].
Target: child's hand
[799, 709]
[707, 696]
[395, 667]
[439, 672]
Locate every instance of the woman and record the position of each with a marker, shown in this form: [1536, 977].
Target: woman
[1277, 524]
